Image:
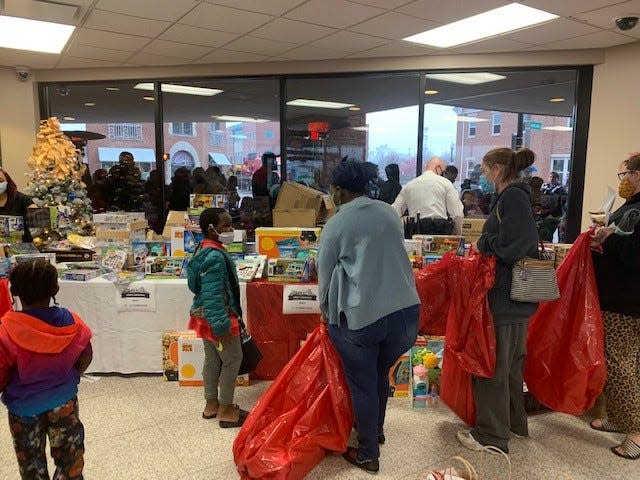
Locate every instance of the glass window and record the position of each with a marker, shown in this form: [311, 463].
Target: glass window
[125, 131]
[186, 129]
[496, 122]
[472, 129]
[366, 117]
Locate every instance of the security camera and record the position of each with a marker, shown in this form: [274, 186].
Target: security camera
[23, 73]
[626, 23]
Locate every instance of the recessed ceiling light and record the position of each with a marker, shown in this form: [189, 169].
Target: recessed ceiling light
[557, 100]
[559, 128]
[33, 35]
[233, 118]
[90, 104]
[184, 89]
[484, 25]
[306, 102]
[354, 109]
[71, 119]
[112, 89]
[430, 92]
[151, 99]
[471, 78]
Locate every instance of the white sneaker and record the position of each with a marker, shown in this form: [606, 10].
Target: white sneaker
[467, 441]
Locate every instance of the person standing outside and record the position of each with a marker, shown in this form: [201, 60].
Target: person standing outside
[431, 196]
[510, 235]
[362, 254]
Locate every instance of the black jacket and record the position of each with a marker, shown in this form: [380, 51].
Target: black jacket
[633, 202]
[618, 273]
[17, 207]
[510, 238]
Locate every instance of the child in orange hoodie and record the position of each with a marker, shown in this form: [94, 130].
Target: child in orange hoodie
[43, 351]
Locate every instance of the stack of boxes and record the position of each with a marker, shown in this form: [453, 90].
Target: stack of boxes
[115, 234]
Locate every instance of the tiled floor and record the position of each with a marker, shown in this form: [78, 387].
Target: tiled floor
[142, 428]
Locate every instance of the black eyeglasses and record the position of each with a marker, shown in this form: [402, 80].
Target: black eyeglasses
[622, 174]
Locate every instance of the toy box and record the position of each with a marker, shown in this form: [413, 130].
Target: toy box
[285, 269]
[206, 200]
[81, 275]
[472, 228]
[426, 365]
[114, 256]
[400, 377]
[142, 250]
[269, 240]
[170, 353]
[10, 224]
[190, 361]
[440, 244]
[164, 267]
[29, 257]
[42, 217]
[184, 241]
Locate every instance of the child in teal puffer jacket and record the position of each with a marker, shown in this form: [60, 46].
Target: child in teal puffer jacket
[215, 316]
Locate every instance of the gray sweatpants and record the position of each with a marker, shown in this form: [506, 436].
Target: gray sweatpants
[499, 399]
[221, 367]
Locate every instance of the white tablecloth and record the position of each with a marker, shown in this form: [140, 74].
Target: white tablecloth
[129, 342]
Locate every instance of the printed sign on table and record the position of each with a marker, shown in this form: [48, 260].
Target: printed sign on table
[300, 299]
[136, 297]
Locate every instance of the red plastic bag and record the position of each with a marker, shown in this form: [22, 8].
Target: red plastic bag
[565, 367]
[432, 286]
[304, 413]
[470, 347]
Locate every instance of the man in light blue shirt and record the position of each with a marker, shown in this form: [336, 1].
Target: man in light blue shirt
[368, 296]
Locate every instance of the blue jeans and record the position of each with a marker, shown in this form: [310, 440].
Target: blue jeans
[367, 355]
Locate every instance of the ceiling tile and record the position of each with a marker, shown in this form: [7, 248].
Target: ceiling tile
[387, 4]
[568, 7]
[227, 56]
[74, 62]
[309, 52]
[600, 39]
[173, 49]
[169, 10]
[333, 13]
[286, 30]
[224, 19]
[393, 25]
[144, 58]
[497, 44]
[115, 41]
[270, 7]
[603, 17]
[79, 3]
[13, 57]
[396, 49]
[445, 11]
[349, 42]
[116, 22]
[98, 53]
[555, 30]
[260, 46]
[197, 36]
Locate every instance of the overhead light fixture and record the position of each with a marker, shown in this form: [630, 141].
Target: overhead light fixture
[151, 99]
[233, 118]
[184, 89]
[306, 102]
[484, 25]
[372, 129]
[90, 104]
[33, 35]
[430, 92]
[112, 89]
[354, 109]
[70, 119]
[470, 78]
[557, 100]
[558, 128]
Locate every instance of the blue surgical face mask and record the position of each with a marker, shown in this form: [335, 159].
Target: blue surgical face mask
[485, 185]
[3, 187]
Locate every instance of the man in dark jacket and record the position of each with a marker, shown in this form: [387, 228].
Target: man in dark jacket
[390, 189]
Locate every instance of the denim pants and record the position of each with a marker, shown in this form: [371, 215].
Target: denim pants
[367, 355]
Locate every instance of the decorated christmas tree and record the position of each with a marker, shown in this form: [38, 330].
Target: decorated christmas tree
[56, 182]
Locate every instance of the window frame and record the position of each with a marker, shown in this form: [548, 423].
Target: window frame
[495, 124]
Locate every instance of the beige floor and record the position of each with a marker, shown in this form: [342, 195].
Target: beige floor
[142, 428]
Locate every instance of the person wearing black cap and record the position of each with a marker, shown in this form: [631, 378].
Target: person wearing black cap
[368, 297]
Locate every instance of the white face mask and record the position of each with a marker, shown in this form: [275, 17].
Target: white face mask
[3, 187]
[224, 238]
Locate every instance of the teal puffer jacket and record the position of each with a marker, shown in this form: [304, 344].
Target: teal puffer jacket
[214, 298]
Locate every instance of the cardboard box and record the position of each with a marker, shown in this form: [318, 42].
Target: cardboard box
[439, 244]
[190, 361]
[42, 217]
[400, 377]
[170, 353]
[175, 218]
[300, 206]
[561, 250]
[81, 275]
[268, 239]
[472, 228]
[119, 217]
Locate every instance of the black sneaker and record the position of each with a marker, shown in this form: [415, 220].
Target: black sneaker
[369, 466]
[381, 439]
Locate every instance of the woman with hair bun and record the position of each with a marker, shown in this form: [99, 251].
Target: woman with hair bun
[509, 234]
[368, 297]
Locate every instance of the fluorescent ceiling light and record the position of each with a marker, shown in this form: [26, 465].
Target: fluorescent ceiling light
[71, 119]
[484, 25]
[184, 89]
[150, 99]
[305, 102]
[232, 118]
[112, 89]
[558, 128]
[430, 92]
[90, 104]
[372, 129]
[354, 109]
[33, 35]
[557, 100]
[471, 78]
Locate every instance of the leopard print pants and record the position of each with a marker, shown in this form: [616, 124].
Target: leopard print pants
[622, 347]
